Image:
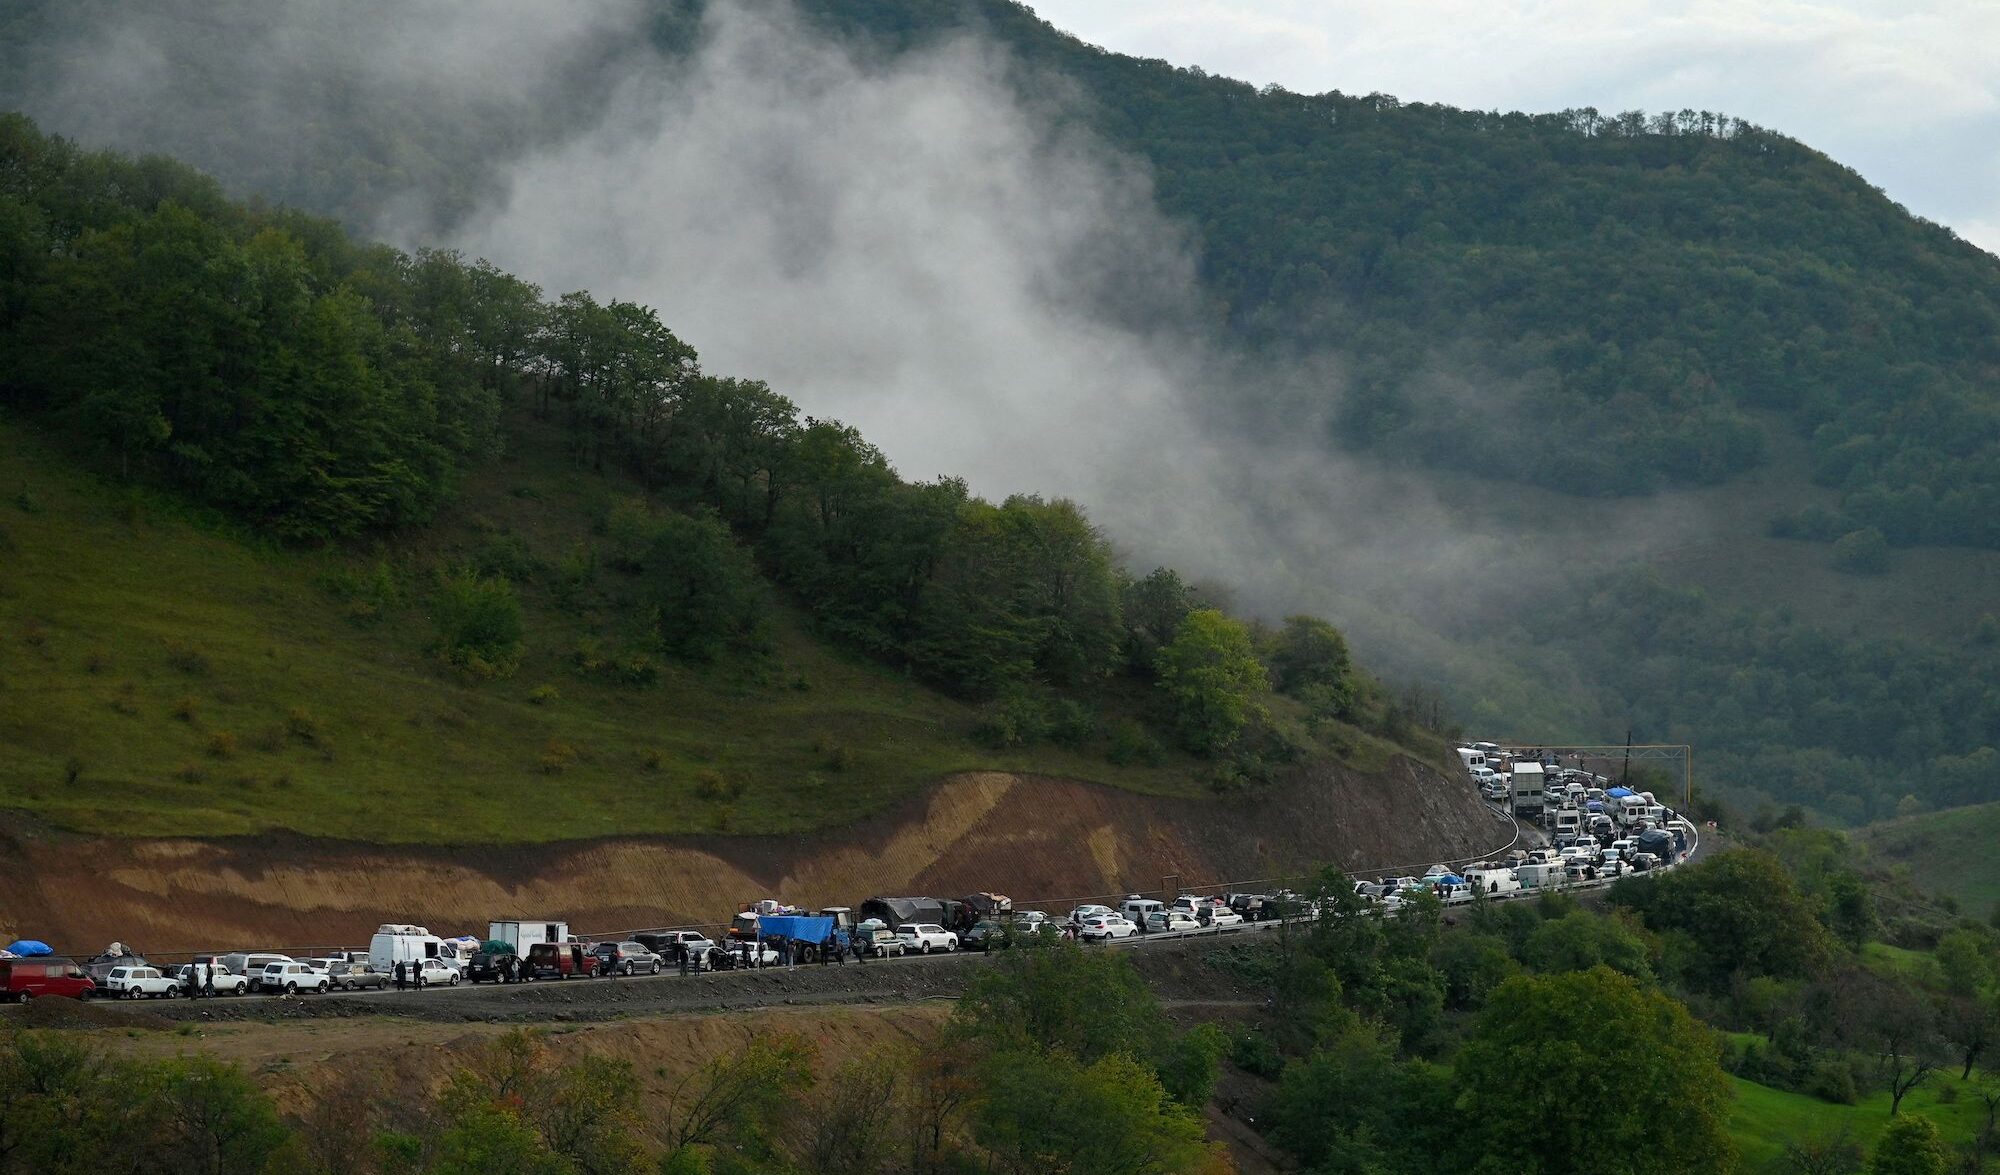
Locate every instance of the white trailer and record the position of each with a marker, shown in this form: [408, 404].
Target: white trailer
[523, 934]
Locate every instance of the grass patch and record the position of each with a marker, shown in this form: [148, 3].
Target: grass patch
[1945, 852]
[1764, 1119]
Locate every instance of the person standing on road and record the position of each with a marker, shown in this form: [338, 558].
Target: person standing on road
[681, 950]
[399, 975]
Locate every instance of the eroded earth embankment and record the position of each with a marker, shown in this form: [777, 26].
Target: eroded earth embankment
[1044, 841]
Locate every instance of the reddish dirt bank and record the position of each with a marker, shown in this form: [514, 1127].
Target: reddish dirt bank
[1045, 841]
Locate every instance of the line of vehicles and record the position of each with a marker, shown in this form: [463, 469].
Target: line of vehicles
[1596, 832]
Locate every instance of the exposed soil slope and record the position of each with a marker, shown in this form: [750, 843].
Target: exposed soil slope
[1044, 841]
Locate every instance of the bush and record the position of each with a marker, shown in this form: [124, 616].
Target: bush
[1130, 744]
[221, 744]
[504, 557]
[1862, 552]
[302, 725]
[188, 660]
[478, 623]
[1832, 1080]
[544, 695]
[556, 756]
[190, 772]
[1253, 1052]
[187, 708]
[711, 786]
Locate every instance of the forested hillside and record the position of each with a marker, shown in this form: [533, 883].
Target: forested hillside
[661, 530]
[1600, 306]
[1623, 293]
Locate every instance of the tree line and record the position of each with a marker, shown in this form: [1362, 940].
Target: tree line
[321, 389]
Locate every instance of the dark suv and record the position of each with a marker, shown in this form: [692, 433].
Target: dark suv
[625, 958]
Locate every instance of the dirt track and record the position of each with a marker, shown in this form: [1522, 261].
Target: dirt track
[1044, 841]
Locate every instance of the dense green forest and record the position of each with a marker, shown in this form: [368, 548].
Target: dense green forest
[1629, 294]
[319, 390]
[1770, 1009]
[1645, 301]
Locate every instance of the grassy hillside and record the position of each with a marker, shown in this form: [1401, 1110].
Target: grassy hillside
[1763, 1119]
[161, 675]
[1948, 852]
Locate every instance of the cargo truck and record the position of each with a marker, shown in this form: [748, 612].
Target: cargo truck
[1527, 789]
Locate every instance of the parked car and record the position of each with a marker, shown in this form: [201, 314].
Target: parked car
[133, 982]
[437, 973]
[1083, 914]
[984, 935]
[353, 976]
[669, 944]
[1163, 920]
[879, 941]
[626, 958]
[484, 967]
[1106, 927]
[251, 964]
[554, 960]
[215, 977]
[1218, 916]
[1137, 908]
[25, 979]
[292, 978]
[925, 937]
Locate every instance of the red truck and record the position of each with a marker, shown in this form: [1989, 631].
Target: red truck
[24, 979]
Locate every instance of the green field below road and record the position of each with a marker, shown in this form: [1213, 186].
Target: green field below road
[1948, 852]
[1763, 1119]
[160, 675]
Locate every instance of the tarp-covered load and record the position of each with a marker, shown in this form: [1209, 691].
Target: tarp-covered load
[30, 948]
[1619, 793]
[894, 912]
[795, 927]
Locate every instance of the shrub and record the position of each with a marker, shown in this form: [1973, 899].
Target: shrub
[187, 659]
[1832, 1080]
[1131, 744]
[1862, 552]
[96, 661]
[187, 707]
[1253, 1052]
[556, 755]
[504, 557]
[72, 770]
[651, 760]
[190, 772]
[123, 703]
[221, 744]
[711, 786]
[302, 725]
[544, 695]
[478, 622]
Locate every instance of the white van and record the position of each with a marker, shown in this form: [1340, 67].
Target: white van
[251, 964]
[1136, 908]
[397, 942]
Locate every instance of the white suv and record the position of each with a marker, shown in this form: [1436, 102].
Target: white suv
[133, 982]
[293, 978]
[1105, 927]
[218, 979]
[925, 937]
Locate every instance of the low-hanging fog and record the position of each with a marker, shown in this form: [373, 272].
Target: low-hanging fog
[921, 245]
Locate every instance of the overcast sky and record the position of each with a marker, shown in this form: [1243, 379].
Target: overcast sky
[1907, 93]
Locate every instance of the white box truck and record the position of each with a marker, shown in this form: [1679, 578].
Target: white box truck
[521, 934]
[400, 942]
[1527, 789]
